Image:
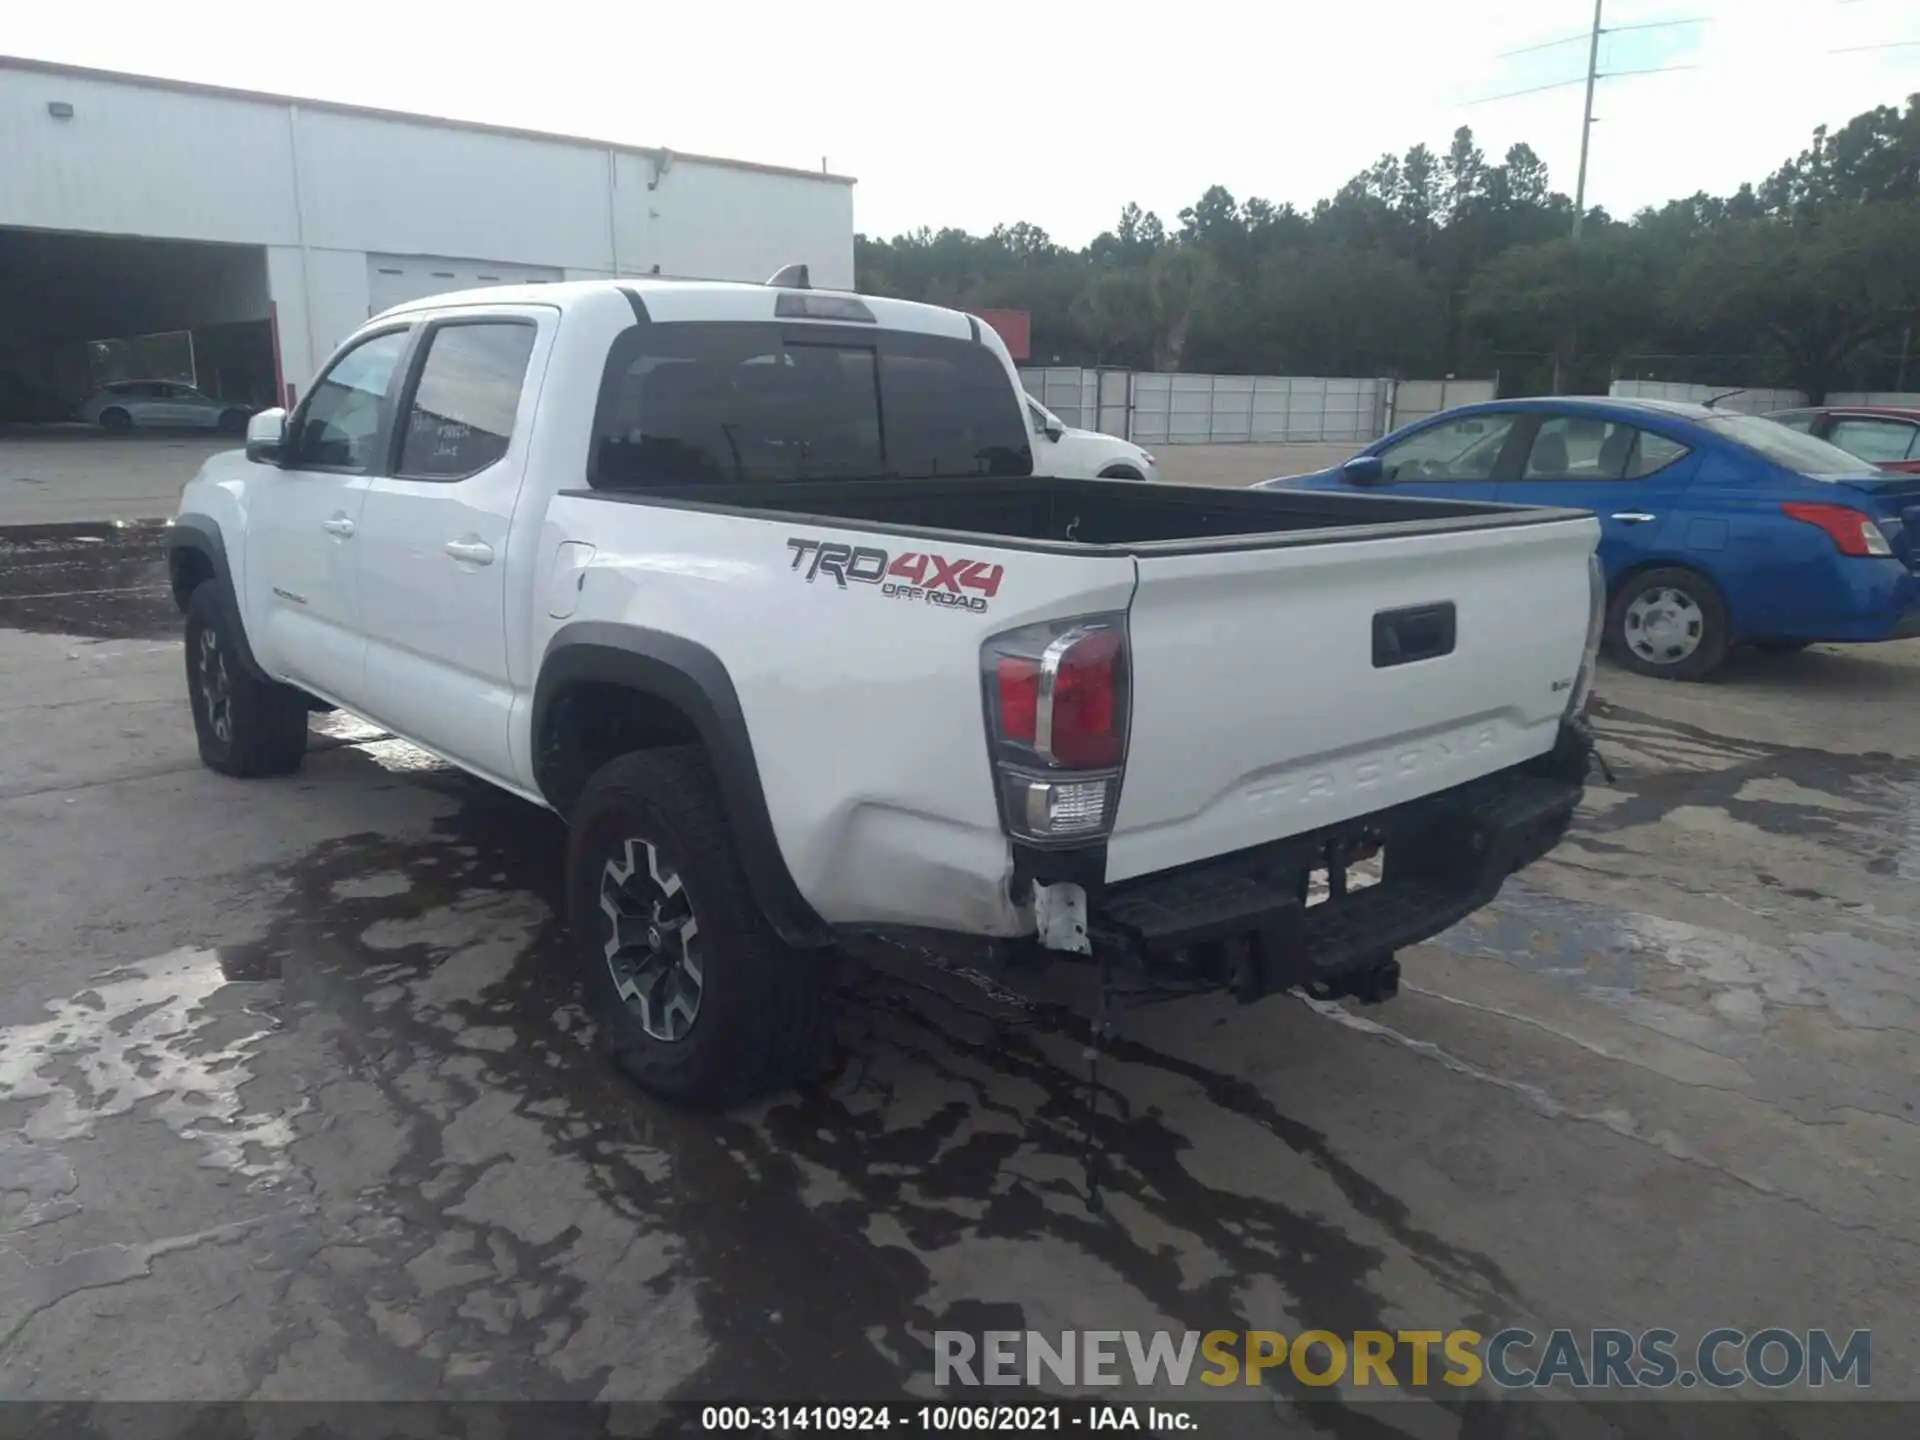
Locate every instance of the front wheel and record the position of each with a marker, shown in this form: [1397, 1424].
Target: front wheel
[116, 421]
[1120, 472]
[232, 422]
[1669, 623]
[698, 999]
[247, 727]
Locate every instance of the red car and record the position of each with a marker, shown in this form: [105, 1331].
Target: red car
[1881, 435]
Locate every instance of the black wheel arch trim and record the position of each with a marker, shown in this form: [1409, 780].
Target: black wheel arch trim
[200, 534]
[693, 679]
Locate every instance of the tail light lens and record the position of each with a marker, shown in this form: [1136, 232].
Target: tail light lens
[1057, 702]
[1853, 533]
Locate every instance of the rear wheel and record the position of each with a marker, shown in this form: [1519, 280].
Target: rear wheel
[233, 422]
[1669, 622]
[247, 727]
[697, 998]
[115, 421]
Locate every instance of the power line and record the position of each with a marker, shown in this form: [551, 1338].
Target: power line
[1607, 30]
[1884, 45]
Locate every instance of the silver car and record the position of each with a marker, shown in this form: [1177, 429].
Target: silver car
[161, 405]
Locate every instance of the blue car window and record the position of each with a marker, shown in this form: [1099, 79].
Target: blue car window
[1652, 453]
[1461, 449]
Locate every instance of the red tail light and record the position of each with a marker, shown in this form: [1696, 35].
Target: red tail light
[1057, 715]
[1019, 682]
[1085, 733]
[1853, 533]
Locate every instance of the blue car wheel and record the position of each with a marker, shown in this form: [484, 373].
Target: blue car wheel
[1670, 623]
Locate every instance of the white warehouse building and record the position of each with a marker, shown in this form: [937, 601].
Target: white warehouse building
[253, 232]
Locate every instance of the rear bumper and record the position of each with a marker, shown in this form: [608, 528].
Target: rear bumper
[1862, 601]
[1243, 920]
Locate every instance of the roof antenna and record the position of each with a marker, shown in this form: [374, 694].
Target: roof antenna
[1740, 390]
[791, 277]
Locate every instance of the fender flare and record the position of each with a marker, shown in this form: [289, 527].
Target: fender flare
[201, 535]
[694, 681]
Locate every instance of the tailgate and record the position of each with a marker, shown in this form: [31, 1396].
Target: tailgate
[1278, 690]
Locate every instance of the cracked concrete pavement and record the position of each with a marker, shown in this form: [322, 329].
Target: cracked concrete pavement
[298, 1099]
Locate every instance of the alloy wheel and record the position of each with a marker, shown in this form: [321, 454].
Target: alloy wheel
[651, 940]
[216, 685]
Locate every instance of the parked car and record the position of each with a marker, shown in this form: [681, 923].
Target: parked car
[1884, 436]
[763, 590]
[161, 405]
[1087, 454]
[1716, 528]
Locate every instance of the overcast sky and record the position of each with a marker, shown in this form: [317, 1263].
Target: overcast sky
[1059, 113]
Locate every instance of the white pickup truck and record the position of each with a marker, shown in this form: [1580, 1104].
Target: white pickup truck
[756, 587]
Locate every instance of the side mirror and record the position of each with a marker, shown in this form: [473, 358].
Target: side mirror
[1363, 470]
[1052, 431]
[267, 437]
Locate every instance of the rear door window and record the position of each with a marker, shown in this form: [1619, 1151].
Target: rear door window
[713, 404]
[1589, 447]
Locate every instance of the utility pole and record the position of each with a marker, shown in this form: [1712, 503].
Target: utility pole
[1586, 122]
[1580, 182]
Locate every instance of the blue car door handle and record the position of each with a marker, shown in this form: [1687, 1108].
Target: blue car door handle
[1633, 517]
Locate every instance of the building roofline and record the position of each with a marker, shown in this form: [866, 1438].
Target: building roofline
[373, 112]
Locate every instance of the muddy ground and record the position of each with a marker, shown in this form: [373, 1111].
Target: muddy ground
[297, 1098]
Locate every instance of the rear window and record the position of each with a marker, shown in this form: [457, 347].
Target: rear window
[1788, 448]
[717, 404]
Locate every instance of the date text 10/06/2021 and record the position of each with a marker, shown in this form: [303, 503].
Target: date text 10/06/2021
[943, 1419]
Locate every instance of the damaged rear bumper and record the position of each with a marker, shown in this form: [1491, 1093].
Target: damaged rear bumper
[1255, 921]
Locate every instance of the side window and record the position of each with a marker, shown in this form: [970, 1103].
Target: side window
[1653, 452]
[1587, 447]
[342, 415]
[1462, 449]
[461, 416]
[1876, 441]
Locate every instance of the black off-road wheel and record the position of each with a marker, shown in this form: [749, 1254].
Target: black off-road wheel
[697, 998]
[247, 727]
[1669, 623]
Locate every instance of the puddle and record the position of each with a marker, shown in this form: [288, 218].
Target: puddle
[102, 582]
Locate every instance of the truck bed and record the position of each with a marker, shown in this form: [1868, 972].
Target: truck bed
[1040, 512]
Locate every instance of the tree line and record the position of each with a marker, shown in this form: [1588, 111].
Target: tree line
[1432, 264]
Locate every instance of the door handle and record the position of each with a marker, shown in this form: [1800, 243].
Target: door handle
[471, 552]
[1633, 517]
[339, 525]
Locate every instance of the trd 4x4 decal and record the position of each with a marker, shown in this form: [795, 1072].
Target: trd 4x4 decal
[960, 584]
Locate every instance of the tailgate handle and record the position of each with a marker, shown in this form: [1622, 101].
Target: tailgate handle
[1416, 632]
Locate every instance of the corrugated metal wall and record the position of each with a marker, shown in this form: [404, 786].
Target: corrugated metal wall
[1159, 409]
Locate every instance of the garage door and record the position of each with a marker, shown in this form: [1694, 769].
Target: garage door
[392, 279]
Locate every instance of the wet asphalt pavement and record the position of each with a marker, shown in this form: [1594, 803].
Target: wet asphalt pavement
[297, 1098]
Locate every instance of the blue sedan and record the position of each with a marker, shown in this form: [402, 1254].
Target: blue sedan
[1716, 528]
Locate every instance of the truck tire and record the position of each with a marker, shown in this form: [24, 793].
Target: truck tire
[698, 999]
[247, 727]
[1670, 623]
[1120, 472]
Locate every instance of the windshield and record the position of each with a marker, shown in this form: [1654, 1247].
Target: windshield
[1789, 448]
